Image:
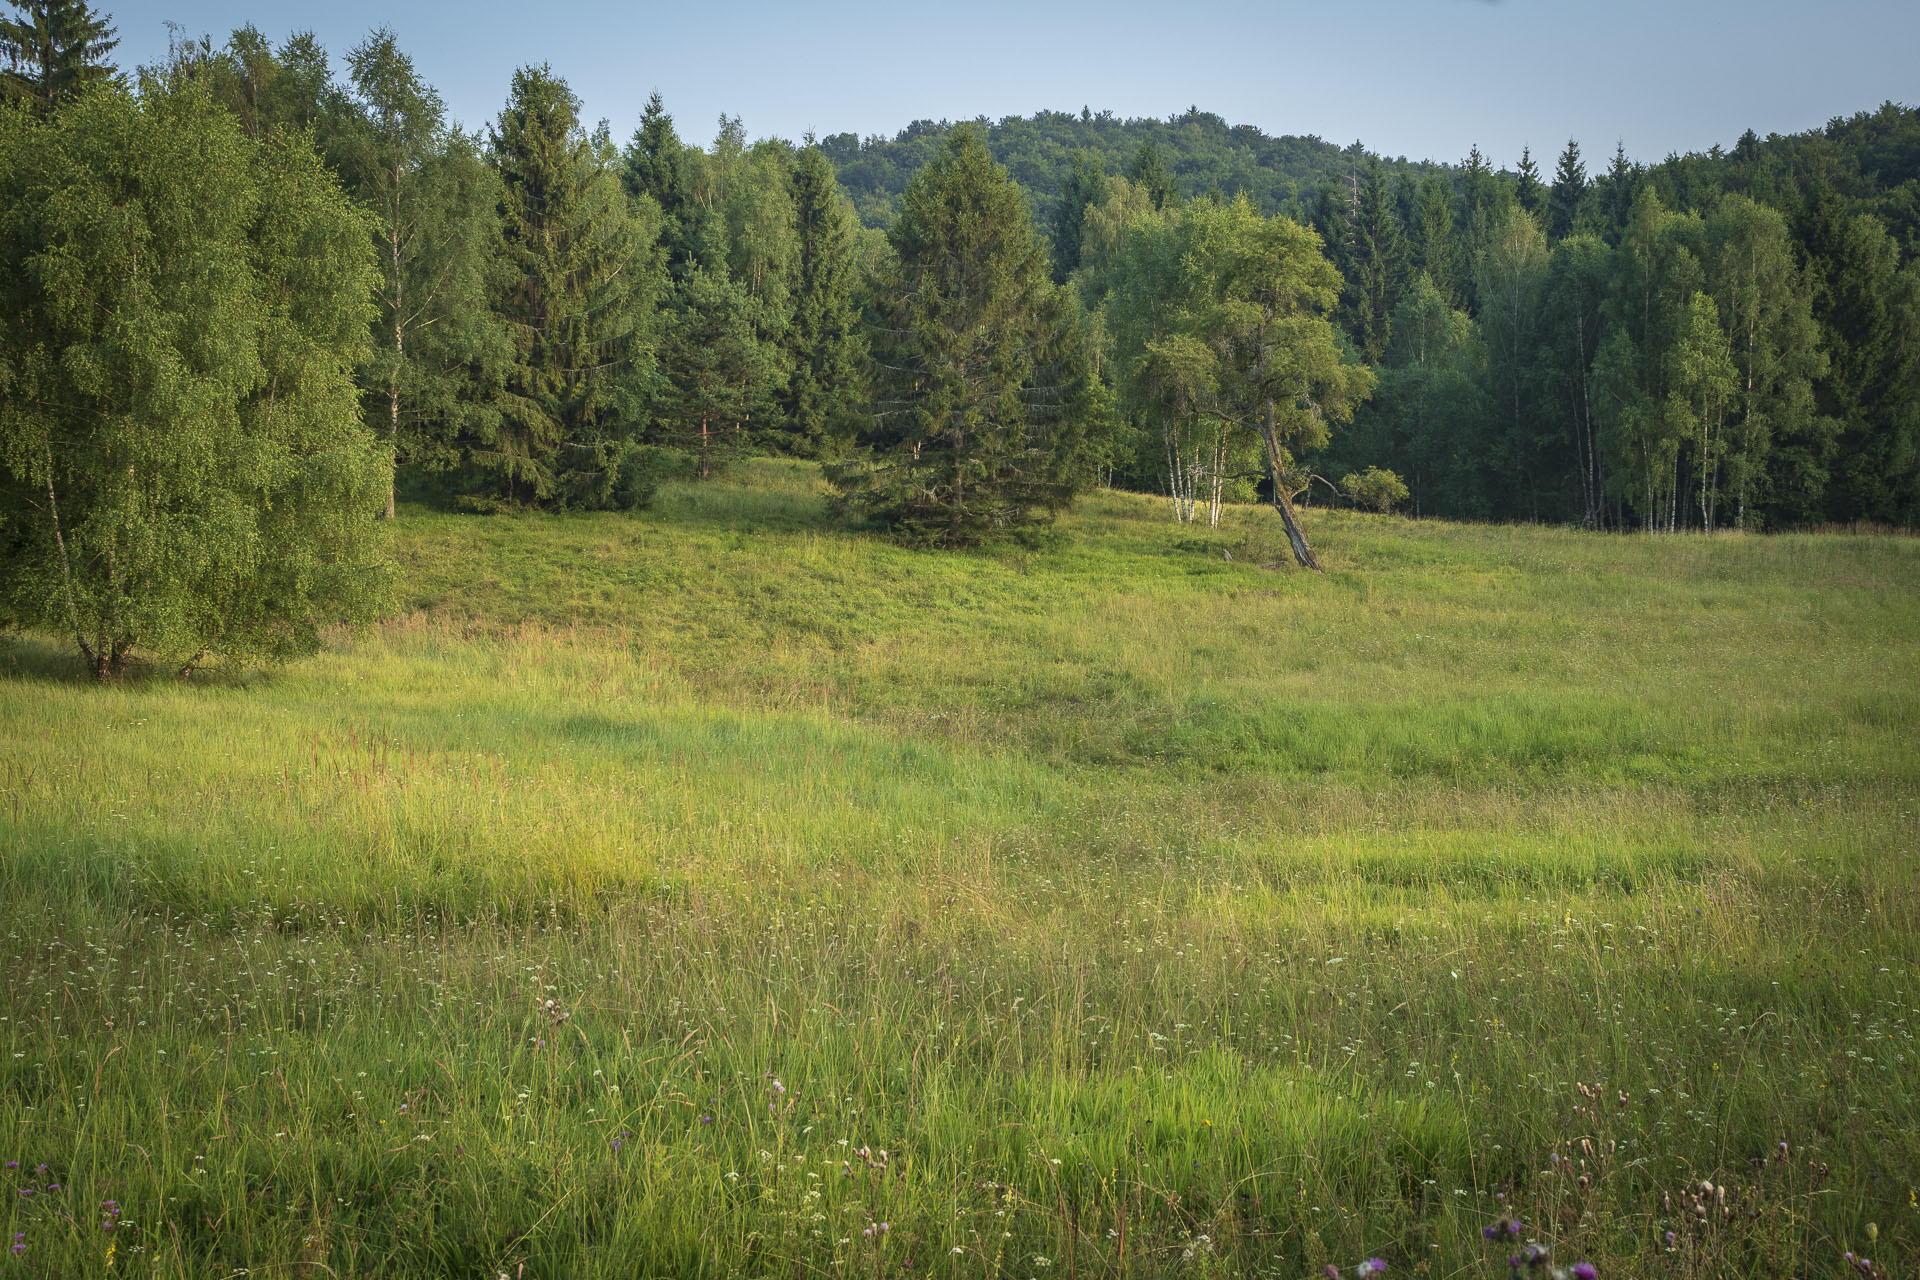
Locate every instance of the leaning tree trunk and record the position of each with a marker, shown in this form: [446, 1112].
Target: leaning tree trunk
[1283, 504]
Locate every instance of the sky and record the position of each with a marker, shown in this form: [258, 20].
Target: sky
[1424, 79]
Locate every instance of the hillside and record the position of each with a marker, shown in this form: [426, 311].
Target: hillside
[716, 890]
[1202, 152]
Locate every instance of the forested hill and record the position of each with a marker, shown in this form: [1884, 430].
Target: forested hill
[1872, 158]
[1200, 152]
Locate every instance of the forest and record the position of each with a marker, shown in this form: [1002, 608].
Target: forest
[344, 294]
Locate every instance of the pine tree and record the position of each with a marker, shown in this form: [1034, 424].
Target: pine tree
[53, 50]
[1379, 263]
[719, 367]
[658, 165]
[1617, 192]
[1568, 199]
[1435, 250]
[970, 413]
[1085, 184]
[1527, 186]
[580, 299]
[825, 344]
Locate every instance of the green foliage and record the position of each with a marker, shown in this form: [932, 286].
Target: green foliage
[825, 345]
[1085, 186]
[440, 351]
[185, 467]
[1567, 202]
[580, 300]
[1374, 489]
[981, 382]
[1222, 347]
[54, 49]
[719, 368]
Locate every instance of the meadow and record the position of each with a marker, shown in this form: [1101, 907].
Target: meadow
[718, 891]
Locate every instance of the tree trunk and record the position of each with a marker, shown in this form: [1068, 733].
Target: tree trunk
[1283, 504]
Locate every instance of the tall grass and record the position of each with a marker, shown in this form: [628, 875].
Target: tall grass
[722, 892]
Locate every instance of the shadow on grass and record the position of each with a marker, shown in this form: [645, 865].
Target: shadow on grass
[42, 658]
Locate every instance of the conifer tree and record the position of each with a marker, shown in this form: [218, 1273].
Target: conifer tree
[657, 164]
[1085, 185]
[974, 412]
[440, 350]
[719, 369]
[1435, 249]
[1378, 263]
[1616, 195]
[580, 300]
[1567, 201]
[53, 50]
[1528, 189]
[827, 349]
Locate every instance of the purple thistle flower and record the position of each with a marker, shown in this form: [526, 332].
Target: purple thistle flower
[1585, 1271]
[1490, 1232]
[1332, 1272]
[13, 1164]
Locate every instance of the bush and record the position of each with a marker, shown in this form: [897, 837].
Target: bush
[1374, 489]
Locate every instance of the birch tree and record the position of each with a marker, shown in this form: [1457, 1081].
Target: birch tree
[183, 467]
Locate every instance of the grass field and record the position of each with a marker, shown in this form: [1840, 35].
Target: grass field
[718, 892]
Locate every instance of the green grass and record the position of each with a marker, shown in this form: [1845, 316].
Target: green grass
[1154, 912]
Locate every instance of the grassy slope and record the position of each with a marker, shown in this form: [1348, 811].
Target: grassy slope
[1154, 911]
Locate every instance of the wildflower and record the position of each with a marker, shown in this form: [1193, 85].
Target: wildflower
[1332, 1272]
[1585, 1271]
[1372, 1266]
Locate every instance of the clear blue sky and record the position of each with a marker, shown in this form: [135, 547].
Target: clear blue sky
[1420, 78]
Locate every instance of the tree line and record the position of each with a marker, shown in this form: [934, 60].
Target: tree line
[254, 297]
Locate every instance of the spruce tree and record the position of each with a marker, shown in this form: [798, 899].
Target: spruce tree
[976, 435]
[720, 371]
[1616, 194]
[1435, 250]
[1379, 263]
[657, 164]
[53, 50]
[580, 300]
[1085, 185]
[1569, 196]
[1528, 189]
[827, 349]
